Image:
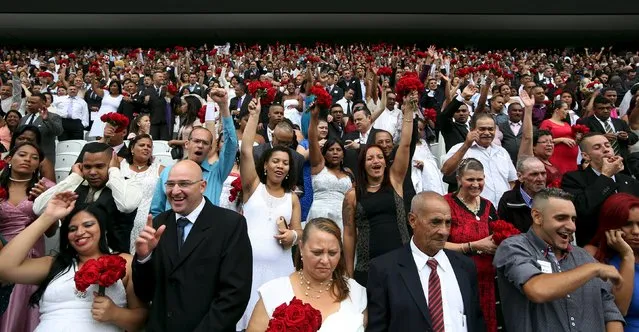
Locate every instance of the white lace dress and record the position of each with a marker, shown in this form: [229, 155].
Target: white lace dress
[147, 180]
[349, 317]
[62, 311]
[328, 196]
[270, 259]
[109, 105]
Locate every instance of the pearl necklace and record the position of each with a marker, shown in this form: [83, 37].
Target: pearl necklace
[307, 284]
[473, 211]
[19, 180]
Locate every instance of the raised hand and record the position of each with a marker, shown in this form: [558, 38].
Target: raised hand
[148, 239]
[254, 107]
[469, 91]
[37, 190]
[615, 240]
[220, 96]
[526, 99]
[61, 205]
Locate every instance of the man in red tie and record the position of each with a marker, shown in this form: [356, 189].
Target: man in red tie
[422, 286]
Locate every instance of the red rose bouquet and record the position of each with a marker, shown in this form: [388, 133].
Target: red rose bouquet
[117, 120]
[262, 90]
[579, 130]
[430, 114]
[322, 98]
[105, 271]
[502, 230]
[407, 83]
[201, 114]
[295, 316]
[555, 184]
[236, 189]
[384, 71]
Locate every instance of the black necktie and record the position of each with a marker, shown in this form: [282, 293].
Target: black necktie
[30, 121]
[348, 108]
[181, 223]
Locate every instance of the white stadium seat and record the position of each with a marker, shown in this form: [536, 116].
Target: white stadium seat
[161, 147]
[65, 160]
[164, 159]
[70, 146]
[61, 174]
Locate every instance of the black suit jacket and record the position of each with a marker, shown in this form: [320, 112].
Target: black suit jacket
[452, 132]
[620, 125]
[590, 191]
[396, 302]
[335, 132]
[156, 105]
[207, 284]
[298, 161]
[336, 93]
[133, 107]
[92, 99]
[510, 142]
[243, 108]
[352, 83]
[118, 226]
[198, 89]
[514, 210]
[351, 156]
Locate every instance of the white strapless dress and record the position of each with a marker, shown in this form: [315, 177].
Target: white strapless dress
[62, 311]
[349, 317]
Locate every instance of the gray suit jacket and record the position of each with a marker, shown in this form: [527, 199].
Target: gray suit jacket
[49, 130]
[510, 142]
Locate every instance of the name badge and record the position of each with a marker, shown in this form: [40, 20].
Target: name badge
[545, 266]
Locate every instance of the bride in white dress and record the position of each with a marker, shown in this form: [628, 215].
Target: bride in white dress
[330, 180]
[61, 308]
[320, 281]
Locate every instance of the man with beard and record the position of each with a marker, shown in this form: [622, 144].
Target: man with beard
[546, 284]
[499, 169]
[515, 205]
[512, 130]
[593, 185]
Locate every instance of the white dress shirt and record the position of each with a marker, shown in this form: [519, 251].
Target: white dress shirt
[390, 120]
[452, 301]
[363, 138]
[344, 103]
[269, 133]
[609, 122]
[498, 168]
[515, 127]
[72, 108]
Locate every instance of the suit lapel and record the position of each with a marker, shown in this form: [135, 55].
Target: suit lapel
[196, 235]
[410, 275]
[462, 281]
[595, 123]
[171, 239]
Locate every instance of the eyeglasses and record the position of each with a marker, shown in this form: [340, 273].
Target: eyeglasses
[200, 141]
[181, 184]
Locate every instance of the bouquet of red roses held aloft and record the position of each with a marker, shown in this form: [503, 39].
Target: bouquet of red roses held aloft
[295, 316]
[502, 230]
[117, 120]
[406, 84]
[104, 271]
[263, 90]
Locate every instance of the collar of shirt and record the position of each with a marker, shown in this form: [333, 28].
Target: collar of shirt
[364, 136]
[599, 173]
[206, 166]
[514, 123]
[421, 258]
[544, 247]
[603, 123]
[192, 217]
[525, 196]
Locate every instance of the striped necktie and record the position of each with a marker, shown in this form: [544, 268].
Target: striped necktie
[608, 129]
[435, 306]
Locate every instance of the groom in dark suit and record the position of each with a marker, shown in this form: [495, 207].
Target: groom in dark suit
[593, 185]
[398, 280]
[49, 124]
[512, 130]
[198, 275]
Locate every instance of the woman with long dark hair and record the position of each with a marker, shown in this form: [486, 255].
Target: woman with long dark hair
[188, 113]
[7, 126]
[374, 211]
[272, 212]
[17, 180]
[111, 99]
[330, 180]
[617, 243]
[62, 306]
[321, 280]
[31, 134]
[566, 150]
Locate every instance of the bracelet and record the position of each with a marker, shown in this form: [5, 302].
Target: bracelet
[411, 120]
[470, 249]
[294, 237]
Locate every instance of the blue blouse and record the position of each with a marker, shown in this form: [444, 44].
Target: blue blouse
[632, 317]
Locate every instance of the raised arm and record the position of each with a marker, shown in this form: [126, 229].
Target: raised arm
[229, 148]
[483, 96]
[250, 180]
[14, 266]
[382, 105]
[526, 145]
[97, 88]
[402, 157]
[350, 231]
[315, 152]
[451, 163]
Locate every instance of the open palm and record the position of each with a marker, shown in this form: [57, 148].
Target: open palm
[61, 205]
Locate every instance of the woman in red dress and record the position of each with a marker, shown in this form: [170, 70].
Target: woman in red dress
[470, 233]
[566, 149]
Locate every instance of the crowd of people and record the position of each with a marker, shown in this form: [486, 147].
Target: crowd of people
[388, 187]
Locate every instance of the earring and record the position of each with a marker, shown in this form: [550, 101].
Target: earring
[286, 177]
[264, 172]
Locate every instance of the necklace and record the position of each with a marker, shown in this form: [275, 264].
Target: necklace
[141, 167]
[307, 284]
[473, 211]
[374, 185]
[19, 180]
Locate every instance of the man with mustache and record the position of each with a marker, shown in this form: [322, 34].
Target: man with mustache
[499, 169]
[546, 284]
[515, 205]
[198, 147]
[593, 185]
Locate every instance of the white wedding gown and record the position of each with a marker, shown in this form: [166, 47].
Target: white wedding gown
[349, 317]
[62, 311]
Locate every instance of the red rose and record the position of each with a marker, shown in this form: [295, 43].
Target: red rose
[279, 311]
[3, 193]
[276, 325]
[114, 263]
[294, 315]
[108, 278]
[409, 82]
[502, 230]
[87, 275]
[324, 100]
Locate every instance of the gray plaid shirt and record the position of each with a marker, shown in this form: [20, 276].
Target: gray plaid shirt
[586, 309]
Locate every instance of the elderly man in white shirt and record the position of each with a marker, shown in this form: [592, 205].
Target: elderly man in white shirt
[499, 169]
[391, 118]
[74, 112]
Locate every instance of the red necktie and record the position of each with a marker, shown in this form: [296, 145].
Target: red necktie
[435, 298]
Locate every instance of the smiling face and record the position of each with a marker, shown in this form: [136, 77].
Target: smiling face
[385, 141]
[322, 129]
[84, 233]
[185, 187]
[25, 161]
[486, 130]
[471, 182]
[12, 119]
[321, 252]
[554, 222]
[544, 147]
[277, 167]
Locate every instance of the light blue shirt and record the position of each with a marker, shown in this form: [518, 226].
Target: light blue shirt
[214, 174]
